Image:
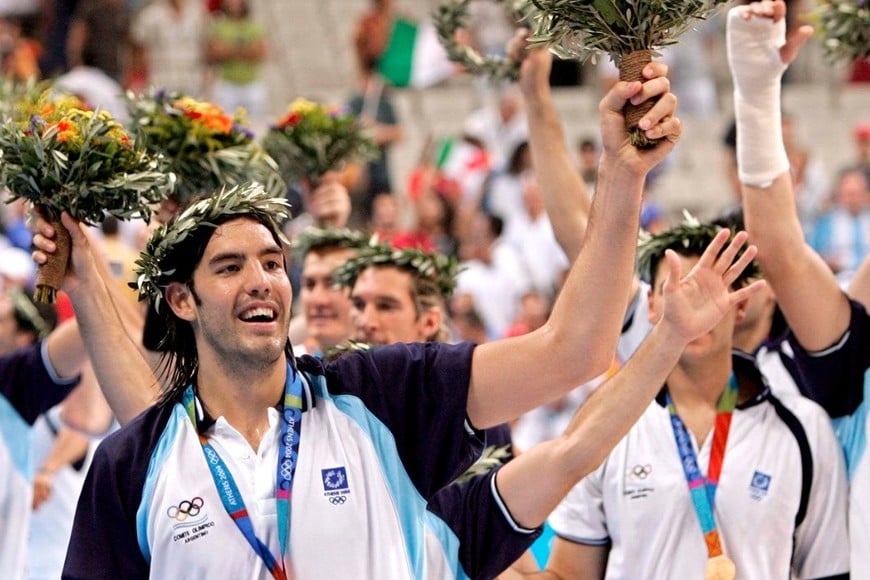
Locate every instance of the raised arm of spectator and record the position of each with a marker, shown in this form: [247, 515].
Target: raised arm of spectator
[806, 289]
[329, 201]
[566, 198]
[535, 482]
[512, 376]
[126, 378]
[565, 194]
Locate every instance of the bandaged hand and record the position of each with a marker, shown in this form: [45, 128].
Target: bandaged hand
[754, 40]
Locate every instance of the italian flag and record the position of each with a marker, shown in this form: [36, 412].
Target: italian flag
[414, 56]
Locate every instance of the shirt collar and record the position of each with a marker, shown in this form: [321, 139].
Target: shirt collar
[204, 421]
[745, 367]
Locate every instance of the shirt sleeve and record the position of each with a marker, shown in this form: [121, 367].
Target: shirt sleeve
[105, 542]
[420, 393]
[834, 377]
[490, 540]
[580, 517]
[821, 540]
[30, 383]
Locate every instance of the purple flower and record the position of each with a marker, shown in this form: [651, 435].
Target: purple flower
[36, 123]
[243, 130]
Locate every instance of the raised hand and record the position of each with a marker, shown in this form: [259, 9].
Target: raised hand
[84, 267]
[660, 123]
[775, 10]
[696, 303]
[329, 203]
[535, 64]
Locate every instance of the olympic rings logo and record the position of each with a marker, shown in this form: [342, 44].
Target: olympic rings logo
[641, 471]
[337, 499]
[185, 509]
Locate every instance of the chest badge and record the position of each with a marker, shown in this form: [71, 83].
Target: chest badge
[336, 487]
[759, 485]
[189, 520]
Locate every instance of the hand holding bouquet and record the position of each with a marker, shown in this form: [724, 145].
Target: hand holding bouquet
[312, 139]
[629, 31]
[61, 157]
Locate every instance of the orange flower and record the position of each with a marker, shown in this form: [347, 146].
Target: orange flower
[218, 122]
[209, 114]
[66, 130]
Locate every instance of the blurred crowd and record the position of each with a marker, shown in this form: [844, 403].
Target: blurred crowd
[472, 194]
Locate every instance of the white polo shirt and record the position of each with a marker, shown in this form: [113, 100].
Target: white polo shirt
[780, 504]
[382, 431]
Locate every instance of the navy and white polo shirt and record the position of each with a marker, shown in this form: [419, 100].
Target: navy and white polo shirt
[382, 431]
[780, 504]
[29, 386]
[839, 380]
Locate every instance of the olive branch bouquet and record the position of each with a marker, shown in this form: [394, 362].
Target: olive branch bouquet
[844, 26]
[205, 147]
[61, 157]
[313, 138]
[629, 31]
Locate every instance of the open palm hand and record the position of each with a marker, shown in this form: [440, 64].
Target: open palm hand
[698, 301]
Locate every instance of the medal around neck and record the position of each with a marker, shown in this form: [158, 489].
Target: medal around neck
[720, 568]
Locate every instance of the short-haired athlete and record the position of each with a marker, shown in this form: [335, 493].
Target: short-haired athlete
[399, 295]
[325, 321]
[715, 455]
[831, 333]
[676, 547]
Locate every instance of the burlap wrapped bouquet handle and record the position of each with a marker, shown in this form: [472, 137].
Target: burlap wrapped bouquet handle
[50, 274]
[631, 69]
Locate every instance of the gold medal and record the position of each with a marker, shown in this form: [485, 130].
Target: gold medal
[720, 568]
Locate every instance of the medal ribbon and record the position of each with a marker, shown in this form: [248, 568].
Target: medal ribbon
[291, 428]
[702, 489]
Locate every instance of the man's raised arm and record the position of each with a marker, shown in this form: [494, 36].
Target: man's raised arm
[125, 377]
[806, 289]
[565, 195]
[579, 340]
